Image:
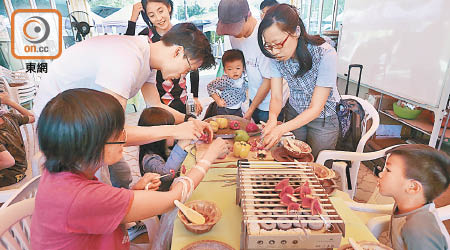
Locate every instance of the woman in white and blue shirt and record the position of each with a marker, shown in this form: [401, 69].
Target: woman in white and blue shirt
[309, 66]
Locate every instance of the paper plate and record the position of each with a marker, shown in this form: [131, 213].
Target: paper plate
[208, 245]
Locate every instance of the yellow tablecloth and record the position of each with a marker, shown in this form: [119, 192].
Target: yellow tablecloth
[228, 229]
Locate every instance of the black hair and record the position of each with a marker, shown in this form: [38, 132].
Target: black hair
[74, 127]
[168, 3]
[426, 165]
[267, 3]
[287, 19]
[233, 55]
[194, 42]
[154, 116]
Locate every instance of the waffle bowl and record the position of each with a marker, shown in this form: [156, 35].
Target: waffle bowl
[207, 245]
[304, 148]
[366, 245]
[322, 172]
[208, 209]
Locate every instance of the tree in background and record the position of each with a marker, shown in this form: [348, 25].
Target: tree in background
[192, 10]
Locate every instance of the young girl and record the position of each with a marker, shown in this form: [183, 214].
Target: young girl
[309, 66]
[229, 91]
[73, 209]
[153, 157]
[157, 14]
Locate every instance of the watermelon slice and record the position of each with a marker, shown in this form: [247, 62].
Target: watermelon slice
[306, 201]
[282, 184]
[316, 208]
[293, 206]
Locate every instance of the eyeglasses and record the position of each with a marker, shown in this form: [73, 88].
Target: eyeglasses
[276, 45]
[124, 135]
[190, 67]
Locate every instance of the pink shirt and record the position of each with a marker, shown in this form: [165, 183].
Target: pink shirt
[73, 212]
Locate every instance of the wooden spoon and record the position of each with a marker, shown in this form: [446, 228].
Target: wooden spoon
[192, 215]
[354, 244]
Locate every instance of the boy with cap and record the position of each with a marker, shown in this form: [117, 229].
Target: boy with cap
[235, 20]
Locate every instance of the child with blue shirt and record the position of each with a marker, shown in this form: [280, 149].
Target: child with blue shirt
[414, 175]
[153, 157]
[229, 90]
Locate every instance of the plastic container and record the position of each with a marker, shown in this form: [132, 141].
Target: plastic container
[406, 113]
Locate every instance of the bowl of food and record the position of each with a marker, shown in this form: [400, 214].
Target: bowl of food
[322, 172]
[296, 148]
[406, 111]
[366, 245]
[208, 209]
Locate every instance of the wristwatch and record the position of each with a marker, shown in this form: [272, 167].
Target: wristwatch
[187, 116]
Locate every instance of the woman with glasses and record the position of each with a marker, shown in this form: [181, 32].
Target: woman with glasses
[157, 15]
[74, 210]
[309, 66]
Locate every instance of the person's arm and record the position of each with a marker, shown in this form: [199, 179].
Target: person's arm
[137, 8]
[155, 164]
[276, 100]
[213, 88]
[6, 159]
[151, 97]
[5, 99]
[261, 94]
[138, 135]
[318, 101]
[144, 205]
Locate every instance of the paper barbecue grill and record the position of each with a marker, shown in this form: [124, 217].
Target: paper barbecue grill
[266, 222]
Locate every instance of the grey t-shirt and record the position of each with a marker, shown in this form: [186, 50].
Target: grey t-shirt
[419, 229]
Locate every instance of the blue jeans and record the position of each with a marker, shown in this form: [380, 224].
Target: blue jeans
[261, 115]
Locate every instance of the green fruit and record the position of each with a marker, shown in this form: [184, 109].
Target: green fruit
[241, 135]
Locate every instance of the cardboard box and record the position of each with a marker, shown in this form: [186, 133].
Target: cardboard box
[386, 104]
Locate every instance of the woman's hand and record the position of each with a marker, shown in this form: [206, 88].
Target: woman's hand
[198, 106]
[268, 127]
[137, 8]
[221, 103]
[248, 114]
[146, 179]
[272, 138]
[192, 130]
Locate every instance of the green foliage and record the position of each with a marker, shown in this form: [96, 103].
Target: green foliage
[192, 10]
[111, 3]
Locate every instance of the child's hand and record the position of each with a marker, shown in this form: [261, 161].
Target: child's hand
[152, 178]
[221, 103]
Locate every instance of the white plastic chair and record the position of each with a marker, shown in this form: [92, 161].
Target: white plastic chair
[379, 224]
[23, 93]
[340, 167]
[16, 225]
[27, 191]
